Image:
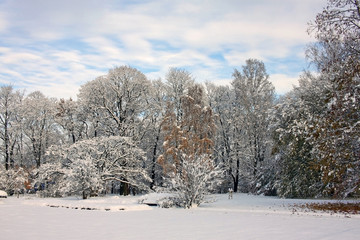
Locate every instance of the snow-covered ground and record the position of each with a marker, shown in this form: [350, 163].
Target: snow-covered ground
[114, 217]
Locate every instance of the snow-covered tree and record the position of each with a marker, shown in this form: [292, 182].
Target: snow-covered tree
[117, 102]
[254, 96]
[72, 120]
[337, 58]
[193, 135]
[83, 167]
[293, 117]
[317, 124]
[10, 128]
[153, 136]
[50, 176]
[82, 178]
[187, 163]
[226, 148]
[37, 112]
[89, 100]
[12, 180]
[177, 84]
[123, 162]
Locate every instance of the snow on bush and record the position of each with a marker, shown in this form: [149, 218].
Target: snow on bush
[87, 166]
[83, 178]
[196, 179]
[3, 194]
[12, 180]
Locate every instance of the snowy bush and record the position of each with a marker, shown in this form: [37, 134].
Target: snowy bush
[82, 178]
[49, 178]
[197, 178]
[12, 180]
[168, 202]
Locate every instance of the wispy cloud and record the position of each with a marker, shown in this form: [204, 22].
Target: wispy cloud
[55, 46]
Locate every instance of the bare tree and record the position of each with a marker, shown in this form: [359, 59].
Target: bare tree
[227, 149]
[117, 101]
[254, 96]
[38, 124]
[177, 84]
[9, 127]
[72, 120]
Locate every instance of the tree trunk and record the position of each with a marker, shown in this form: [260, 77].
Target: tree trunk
[12, 155]
[7, 155]
[73, 137]
[236, 182]
[236, 179]
[124, 189]
[84, 194]
[6, 140]
[153, 175]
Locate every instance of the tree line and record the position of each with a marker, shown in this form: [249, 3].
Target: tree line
[130, 134]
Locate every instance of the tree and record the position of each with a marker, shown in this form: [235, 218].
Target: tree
[71, 119]
[38, 121]
[9, 104]
[117, 102]
[293, 118]
[338, 24]
[336, 57]
[124, 162]
[187, 160]
[83, 167]
[317, 135]
[89, 99]
[82, 178]
[177, 84]
[191, 136]
[254, 96]
[221, 100]
[153, 138]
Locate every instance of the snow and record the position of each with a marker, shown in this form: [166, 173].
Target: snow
[243, 217]
[3, 194]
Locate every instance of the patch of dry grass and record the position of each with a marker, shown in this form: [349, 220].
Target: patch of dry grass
[330, 207]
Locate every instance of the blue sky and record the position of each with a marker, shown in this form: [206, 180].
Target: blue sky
[56, 46]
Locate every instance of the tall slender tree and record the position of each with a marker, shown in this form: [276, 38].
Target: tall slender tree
[39, 126]
[254, 96]
[10, 128]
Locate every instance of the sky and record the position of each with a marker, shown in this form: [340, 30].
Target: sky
[56, 46]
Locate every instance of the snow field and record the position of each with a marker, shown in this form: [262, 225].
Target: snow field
[244, 217]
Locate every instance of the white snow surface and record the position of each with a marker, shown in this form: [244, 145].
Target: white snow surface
[115, 217]
[3, 194]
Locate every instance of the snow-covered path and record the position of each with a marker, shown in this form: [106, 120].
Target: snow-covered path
[244, 217]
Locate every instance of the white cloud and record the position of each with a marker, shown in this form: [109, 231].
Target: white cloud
[111, 33]
[3, 23]
[237, 58]
[45, 71]
[226, 82]
[284, 83]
